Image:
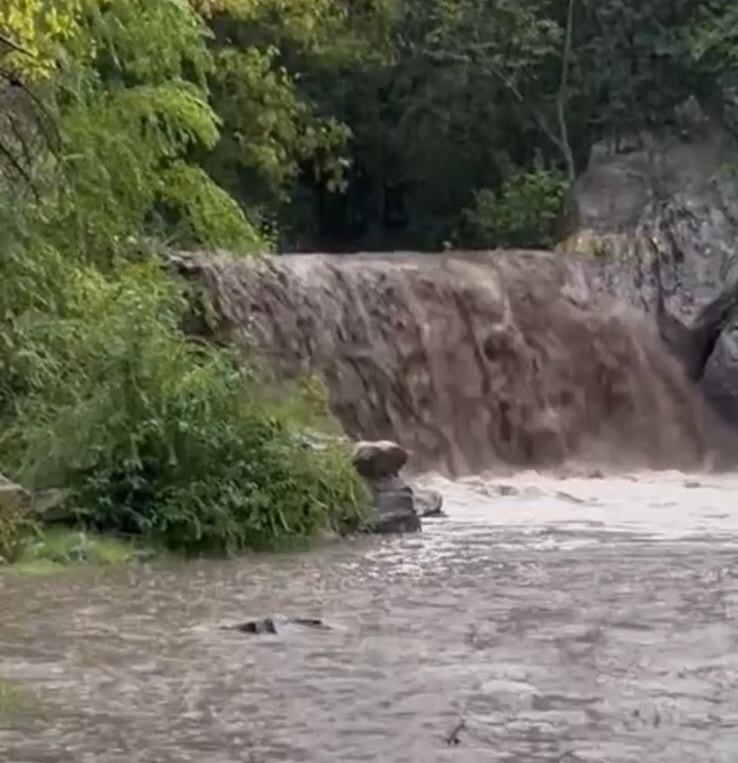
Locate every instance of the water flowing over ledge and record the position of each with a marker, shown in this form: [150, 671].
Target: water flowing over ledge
[467, 360]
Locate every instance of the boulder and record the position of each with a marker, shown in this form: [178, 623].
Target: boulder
[375, 460]
[13, 496]
[397, 506]
[656, 219]
[394, 506]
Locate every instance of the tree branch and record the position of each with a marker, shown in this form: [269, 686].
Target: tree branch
[14, 46]
[561, 97]
[499, 74]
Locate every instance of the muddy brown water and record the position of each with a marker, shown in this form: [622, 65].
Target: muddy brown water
[559, 619]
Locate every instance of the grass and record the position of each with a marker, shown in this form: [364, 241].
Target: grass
[14, 699]
[52, 550]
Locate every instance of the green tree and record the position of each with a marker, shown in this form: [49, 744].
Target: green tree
[100, 392]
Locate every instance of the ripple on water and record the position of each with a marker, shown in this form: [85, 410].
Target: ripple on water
[594, 629]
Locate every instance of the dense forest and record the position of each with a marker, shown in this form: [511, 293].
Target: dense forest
[127, 126]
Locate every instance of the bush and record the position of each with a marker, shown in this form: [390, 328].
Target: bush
[157, 435]
[15, 526]
[523, 213]
[100, 392]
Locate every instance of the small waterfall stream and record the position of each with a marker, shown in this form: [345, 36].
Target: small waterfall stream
[468, 360]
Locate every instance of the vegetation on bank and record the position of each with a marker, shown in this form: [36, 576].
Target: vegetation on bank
[152, 434]
[44, 552]
[127, 126]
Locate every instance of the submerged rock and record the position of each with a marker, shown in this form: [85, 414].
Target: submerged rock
[275, 625]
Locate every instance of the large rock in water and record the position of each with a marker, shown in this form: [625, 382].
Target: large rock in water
[657, 217]
[393, 501]
[375, 460]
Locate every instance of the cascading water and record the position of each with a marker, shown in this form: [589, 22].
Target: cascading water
[468, 360]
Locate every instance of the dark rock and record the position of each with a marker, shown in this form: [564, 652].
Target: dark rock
[394, 502]
[394, 506]
[375, 460]
[274, 625]
[658, 221]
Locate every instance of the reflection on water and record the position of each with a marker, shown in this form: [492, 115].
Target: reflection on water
[561, 620]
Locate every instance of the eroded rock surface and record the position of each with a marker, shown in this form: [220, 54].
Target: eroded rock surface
[657, 218]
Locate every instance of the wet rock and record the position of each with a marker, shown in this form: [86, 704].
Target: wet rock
[275, 625]
[428, 503]
[375, 460]
[394, 506]
[397, 507]
[569, 497]
[656, 219]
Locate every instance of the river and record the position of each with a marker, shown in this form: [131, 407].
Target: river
[545, 619]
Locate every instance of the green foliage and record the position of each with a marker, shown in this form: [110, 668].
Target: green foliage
[131, 105]
[15, 527]
[523, 213]
[152, 434]
[131, 124]
[56, 548]
[209, 215]
[157, 436]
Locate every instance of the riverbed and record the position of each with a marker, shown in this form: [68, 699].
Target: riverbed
[545, 619]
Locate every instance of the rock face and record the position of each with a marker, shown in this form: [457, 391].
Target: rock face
[657, 218]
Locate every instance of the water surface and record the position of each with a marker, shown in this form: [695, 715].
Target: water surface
[558, 619]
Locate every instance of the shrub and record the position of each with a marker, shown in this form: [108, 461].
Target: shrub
[522, 213]
[15, 526]
[157, 435]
